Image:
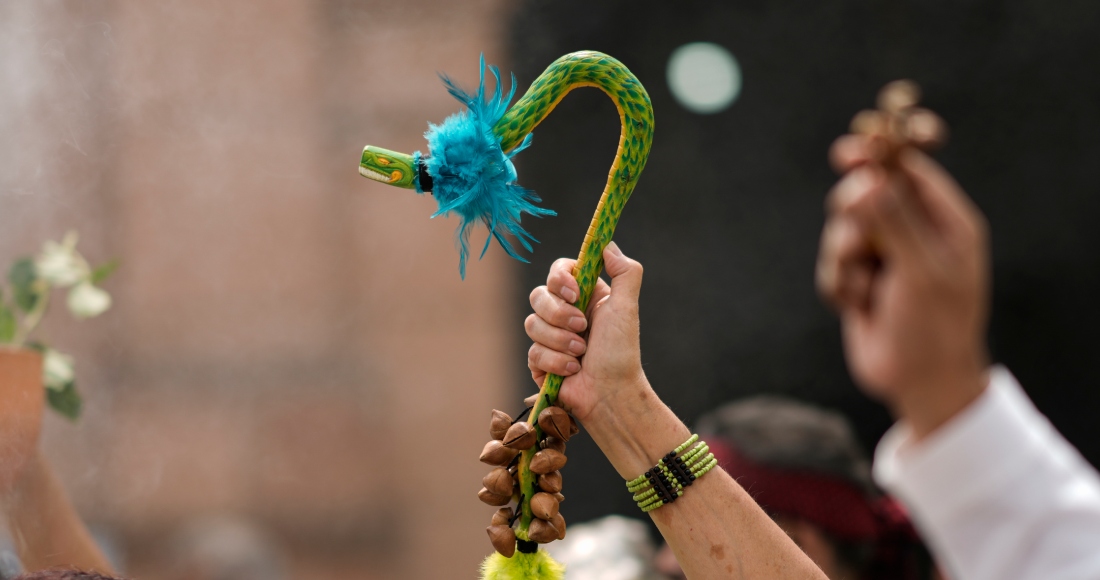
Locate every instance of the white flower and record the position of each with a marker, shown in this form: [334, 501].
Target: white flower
[57, 369]
[86, 300]
[60, 265]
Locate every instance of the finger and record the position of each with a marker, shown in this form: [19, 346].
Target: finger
[827, 271]
[551, 361]
[857, 282]
[845, 249]
[602, 291]
[556, 312]
[886, 207]
[626, 276]
[552, 337]
[943, 198]
[853, 187]
[538, 376]
[560, 281]
[850, 151]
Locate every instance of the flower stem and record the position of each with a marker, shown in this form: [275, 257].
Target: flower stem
[31, 320]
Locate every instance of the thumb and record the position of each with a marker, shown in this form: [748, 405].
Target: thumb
[626, 276]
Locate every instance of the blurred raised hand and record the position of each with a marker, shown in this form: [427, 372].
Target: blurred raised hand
[904, 260]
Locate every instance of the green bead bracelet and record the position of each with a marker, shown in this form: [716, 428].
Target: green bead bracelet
[665, 482]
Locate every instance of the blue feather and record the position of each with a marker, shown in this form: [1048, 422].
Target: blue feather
[473, 177]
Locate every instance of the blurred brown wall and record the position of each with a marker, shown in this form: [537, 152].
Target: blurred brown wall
[290, 342]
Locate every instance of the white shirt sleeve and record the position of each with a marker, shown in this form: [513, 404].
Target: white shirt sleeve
[997, 493]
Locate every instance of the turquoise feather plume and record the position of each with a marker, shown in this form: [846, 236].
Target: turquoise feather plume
[473, 177]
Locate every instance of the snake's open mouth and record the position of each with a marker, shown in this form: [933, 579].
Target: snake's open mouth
[375, 175]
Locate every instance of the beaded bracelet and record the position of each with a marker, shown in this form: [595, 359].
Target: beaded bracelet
[666, 481]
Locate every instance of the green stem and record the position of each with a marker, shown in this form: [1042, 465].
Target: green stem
[31, 320]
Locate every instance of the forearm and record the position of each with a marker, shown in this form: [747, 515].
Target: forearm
[715, 529]
[46, 529]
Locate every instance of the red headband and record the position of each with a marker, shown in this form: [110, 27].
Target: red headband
[836, 505]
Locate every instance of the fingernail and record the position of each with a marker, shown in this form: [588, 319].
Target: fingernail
[569, 295]
[576, 347]
[572, 367]
[578, 323]
[614, 248]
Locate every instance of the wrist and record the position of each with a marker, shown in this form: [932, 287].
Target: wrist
[634, 428]
[933, 402]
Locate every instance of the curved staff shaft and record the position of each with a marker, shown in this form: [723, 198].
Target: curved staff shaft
[583, 69]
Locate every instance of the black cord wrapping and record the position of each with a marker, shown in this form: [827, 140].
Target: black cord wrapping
[422, 175]
[527, 547]
[521, 414]
[518, 513]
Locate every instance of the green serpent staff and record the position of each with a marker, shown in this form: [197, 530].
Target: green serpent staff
[469, 171]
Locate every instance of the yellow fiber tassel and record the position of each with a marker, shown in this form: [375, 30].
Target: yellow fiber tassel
[537, 566]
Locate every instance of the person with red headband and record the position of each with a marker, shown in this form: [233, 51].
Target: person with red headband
[994, 489]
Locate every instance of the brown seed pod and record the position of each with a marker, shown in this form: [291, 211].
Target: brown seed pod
[493, 499]
[555, 422]
[898, 96]
[559, 524]
[530, 401]
[520, 436]
[495, 453]
[868, 122]
[544, 506]
[546, 461]
[499, 424]
[542, 531]
[553, 443]
[558, 496]
[503, 539]
[503, 517]
[550, 482]
[925, 129]
[499, 482]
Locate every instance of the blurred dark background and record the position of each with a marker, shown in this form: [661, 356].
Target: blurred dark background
[727, 214]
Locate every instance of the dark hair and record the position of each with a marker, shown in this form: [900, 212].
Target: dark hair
[789, 434]
[64, 574]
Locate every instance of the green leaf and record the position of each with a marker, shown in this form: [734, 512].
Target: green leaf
[7, 324]
[103, 270]
[23, 281]
[66, 401]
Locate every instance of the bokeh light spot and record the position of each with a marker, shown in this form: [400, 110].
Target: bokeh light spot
[704, 77]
